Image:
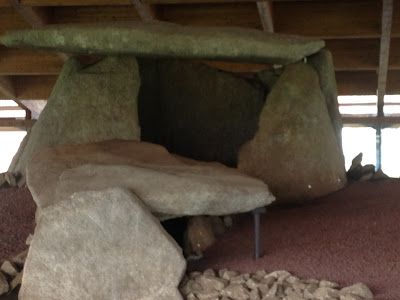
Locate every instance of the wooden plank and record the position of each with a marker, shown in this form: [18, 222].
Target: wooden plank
[35, 16]
[10, 19]
[387, 14]
[74, 2]
[394, 55]
[371, 120]
[34, 87]
[19, 123]
[357, 54]
[328, 19]
[8, 108]
[356, 83]
[7, 88]
[393, 83]
[266, 15]
[4, 3]
[26, 62]
[230, 14]
[94, 14]
[147, 12]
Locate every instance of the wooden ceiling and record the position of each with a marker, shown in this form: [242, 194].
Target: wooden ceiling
[363, 36]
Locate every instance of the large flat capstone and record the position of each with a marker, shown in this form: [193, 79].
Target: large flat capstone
[88, 104]
[167, 184]
[295, 150]
[161, 39]
[101, 245]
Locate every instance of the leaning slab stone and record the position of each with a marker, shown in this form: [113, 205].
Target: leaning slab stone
[295, 150]
[322, 62]
[101, 245]
[161, 39]
[167, 184]
[88, 104]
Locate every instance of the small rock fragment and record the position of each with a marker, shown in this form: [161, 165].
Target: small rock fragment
[209, 272]
[211, 283]
[236, 292]
[358, 289]
[29, 239]
[325, 293]
[226, 274]
[254, 294]
[16, 281]
[4, 287]
[326, 283]
[2, 179]
[20, 258]
[10, 178]
[208, 295]
[9, 269]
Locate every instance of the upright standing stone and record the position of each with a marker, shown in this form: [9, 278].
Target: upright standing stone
[323, 64]
[101, 245]
[88, 104]
[295, 150]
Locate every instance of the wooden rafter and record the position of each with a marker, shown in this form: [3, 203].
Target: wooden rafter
[371, 120]
[20, 123]
[147, 12]
[387, 15]
[35, 16]
[7, 88]
[266, 16]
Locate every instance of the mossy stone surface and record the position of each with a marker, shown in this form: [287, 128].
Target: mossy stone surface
[162, 39]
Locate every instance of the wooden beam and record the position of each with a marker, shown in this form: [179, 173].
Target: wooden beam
[357, 54]
[147, 12]
[4, 3]
[387, 14]
[34, 87]
[371, 120]
[226, 14]
[26, 62]
[19, 123]
[8, 108]
[356, 83]
[328, 19]
[10, 19]
[35, 16]
[74, 2]
[94, 14]
[7, 88]
[393, 83]
[266, 15]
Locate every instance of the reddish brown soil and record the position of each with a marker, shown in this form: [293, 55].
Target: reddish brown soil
[350, 236]
[17, 220]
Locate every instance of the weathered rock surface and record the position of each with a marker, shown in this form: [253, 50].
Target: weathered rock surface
[161, 39]
[88, 104]
[322, 62]
[278, 285]
[101, 245]
[197, 111]
[295, 150]
[164, 182]
[4, 287]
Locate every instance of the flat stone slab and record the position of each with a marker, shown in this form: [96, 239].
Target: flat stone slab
[101, 245]
[167, 184]
[161, 39]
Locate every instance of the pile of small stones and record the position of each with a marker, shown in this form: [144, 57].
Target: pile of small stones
[278, 285]
[11, 271]
[9, 179]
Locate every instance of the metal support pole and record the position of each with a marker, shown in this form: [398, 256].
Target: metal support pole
[256, 215]
[378, 147]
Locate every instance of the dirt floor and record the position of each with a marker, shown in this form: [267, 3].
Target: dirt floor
[349, 236]
[17, 220]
